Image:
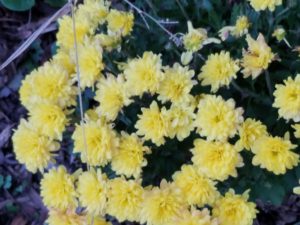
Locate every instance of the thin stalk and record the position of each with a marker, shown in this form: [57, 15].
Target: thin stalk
[173, 37]
[268, 82]
[182, 10]
[82, 117]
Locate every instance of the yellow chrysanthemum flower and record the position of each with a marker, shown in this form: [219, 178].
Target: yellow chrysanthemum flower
[101, 143]
[57, 189]
[297, 130]
[108, 41]
[50, 83]
[195, 187]
[259, 5]
[120, 22]
[129, 158]
[144, 74]
[218, 70]
[217, 160]
[181, 121]
[49, 119]
[32, 148]
[176, 85]
[71, 218]
[97, 220]
[112, 96]
[125, 199]
[90, 63]
[249, 132]
[257, 58]
[162, 205]
[64, 218]
[63, 59]
[195, 217]
[218, 119]
[241, 27]
[194, 40]
[233, 209]
[153, 124]
[279, 33]
[65, 34]
[274, 154]
[95, 10]
[287, 99]
[92, 191]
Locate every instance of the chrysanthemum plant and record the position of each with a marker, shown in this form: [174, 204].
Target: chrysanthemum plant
[157, 143]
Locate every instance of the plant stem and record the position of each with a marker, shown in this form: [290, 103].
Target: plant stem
[78, 80]
[269, 84]
[173, 37]
[182, 10]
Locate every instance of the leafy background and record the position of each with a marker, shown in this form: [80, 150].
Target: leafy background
[19, 199]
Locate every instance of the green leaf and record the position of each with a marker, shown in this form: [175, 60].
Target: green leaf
[56, 3]
[18, 5]
[7, 183]
[1, 181]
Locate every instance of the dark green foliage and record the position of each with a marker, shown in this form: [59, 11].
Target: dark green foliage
[18, 5]
[24, 5]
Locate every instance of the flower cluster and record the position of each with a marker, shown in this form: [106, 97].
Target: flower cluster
[174, 112]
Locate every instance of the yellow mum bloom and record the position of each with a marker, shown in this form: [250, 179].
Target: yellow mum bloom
[181, 121]
[64, 218]
[162, 205]
[259, 5]
[279, 33]
[144, 74]
[287, 99]
[218, 70]
[177, 84]
[57, 189]
[63, 59]
[101, 143]
[125, 199]
[91, 188]
[95, 10]
[196, 188]
[33, 149]
[99, 221]
[108, 41]
[49, 119]
[112, 96]
[153, 124]
[129, 158]
[120, 22]
[297, 130]
[65, 34]
[71, 218]
[241, 27]
[50, 83]
[257, 58]
[217, 160]
[218, 119]
[195, 38]
[249, 132]
[195, 217]
[233, 209]
[90, 63]
[274, 154]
